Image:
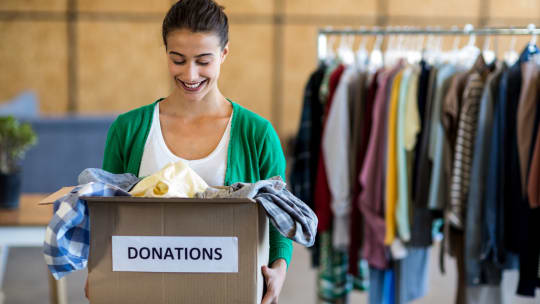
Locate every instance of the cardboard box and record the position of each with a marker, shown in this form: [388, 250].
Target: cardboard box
[242, 219]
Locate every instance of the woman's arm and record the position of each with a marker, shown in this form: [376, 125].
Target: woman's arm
[272, 163]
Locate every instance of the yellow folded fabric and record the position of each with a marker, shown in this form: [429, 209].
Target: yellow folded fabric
[174, 180]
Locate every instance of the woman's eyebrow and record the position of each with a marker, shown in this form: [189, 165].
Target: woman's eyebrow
[197, 56]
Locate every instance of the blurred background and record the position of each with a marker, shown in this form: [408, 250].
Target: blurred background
[70, 66]
[105, 57]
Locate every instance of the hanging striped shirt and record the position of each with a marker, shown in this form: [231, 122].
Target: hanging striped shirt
[462, 164]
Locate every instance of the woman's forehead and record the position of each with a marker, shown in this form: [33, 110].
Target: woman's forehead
[189, 43]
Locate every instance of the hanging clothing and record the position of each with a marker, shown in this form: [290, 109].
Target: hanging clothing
[408, 126]
[357, 100]
[422, 217]
[529, 224]
[412, 274]
[514, 210]
[526, 113]
[322, 190]
[335, 150]
[493, 247]
[420, 143]
[334, 283]
[306, 147]
[534, 175]
[479, 269]
[391, 162]
[438, 148]
[466, 134]
[357, 227]
[371, 180]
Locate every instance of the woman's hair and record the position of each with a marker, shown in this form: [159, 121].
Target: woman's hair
[197, 16]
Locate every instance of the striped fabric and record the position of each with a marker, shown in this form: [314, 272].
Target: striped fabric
[334, 282]
[462, 161]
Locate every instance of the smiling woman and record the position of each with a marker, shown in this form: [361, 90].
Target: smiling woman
[222, 141]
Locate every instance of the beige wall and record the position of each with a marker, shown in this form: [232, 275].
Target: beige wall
[109, 58]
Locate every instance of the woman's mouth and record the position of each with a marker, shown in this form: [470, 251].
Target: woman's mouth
[193, 86]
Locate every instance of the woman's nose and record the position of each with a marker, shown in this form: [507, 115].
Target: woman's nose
[192, 72]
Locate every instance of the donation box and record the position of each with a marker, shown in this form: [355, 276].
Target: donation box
[176, 250]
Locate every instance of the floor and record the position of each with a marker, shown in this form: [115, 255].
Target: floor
[26, 281]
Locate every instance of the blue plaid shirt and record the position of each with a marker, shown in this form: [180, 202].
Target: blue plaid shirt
[67, 238]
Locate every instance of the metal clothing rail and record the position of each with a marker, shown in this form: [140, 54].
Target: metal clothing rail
[468, 30]
[416, 31]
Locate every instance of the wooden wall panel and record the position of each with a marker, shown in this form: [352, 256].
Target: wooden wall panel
[246, 74]
[247, 7]
[336, 7]
[514, 9]
[299, 61]
[33, 57]
[434, 8]
[125, 6]
[33, 5]
[121, 66]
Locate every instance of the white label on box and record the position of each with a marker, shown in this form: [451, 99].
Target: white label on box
[175, 254]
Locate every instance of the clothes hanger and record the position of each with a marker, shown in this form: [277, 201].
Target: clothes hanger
[418, 47]
[330, 55]
[427, 53]
[344, 51]
[362, 55]
[532, 44]
[437, 49]
[376, 56]
[511, 56]
[532, 48]
[469, 52]
[487, 53]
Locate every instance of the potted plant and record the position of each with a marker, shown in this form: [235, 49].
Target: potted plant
[15, 139]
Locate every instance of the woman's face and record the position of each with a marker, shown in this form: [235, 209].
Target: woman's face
[194, 61]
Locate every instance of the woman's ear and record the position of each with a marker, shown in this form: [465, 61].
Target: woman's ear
[224, 52]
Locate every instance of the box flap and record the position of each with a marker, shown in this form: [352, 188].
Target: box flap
[132, 199]
[53, 197]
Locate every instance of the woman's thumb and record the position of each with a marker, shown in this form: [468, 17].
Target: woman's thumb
[265, 270]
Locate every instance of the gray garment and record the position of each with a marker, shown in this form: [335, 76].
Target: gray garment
[438, 185]
[124, 181]
[291, 217]
[477, 270]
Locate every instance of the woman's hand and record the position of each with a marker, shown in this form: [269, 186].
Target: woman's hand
[274, 276]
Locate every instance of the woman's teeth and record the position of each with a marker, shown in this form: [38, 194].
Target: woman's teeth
[193, 85]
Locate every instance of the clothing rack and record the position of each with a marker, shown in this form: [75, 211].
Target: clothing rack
[322, 41]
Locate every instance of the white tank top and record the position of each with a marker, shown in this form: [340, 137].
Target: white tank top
[156, 155]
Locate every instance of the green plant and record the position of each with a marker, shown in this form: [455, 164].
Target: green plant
[15, 139]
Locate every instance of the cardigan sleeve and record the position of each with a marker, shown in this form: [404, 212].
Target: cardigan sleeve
[272, 163]
[112, 157]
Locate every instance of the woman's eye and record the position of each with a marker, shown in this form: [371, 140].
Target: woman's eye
[203, 63]
[179, 62]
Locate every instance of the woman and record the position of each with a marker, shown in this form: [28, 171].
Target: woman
[222, 141]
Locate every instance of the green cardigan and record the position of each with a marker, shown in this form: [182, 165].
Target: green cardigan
[254, 154]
